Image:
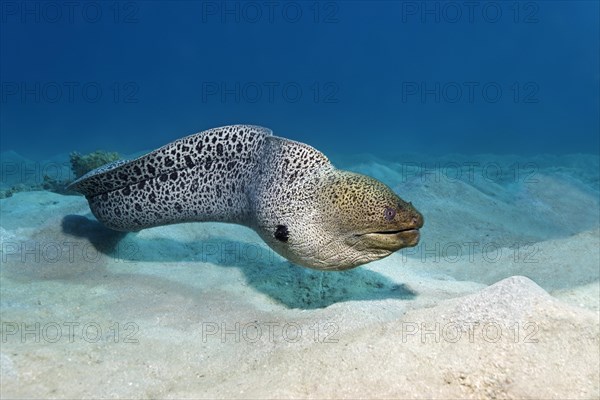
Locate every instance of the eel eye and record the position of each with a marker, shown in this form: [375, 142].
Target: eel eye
[389, 213]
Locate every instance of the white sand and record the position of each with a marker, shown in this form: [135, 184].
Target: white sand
[167, 300]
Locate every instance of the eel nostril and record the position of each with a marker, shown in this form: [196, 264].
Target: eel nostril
[417, 220]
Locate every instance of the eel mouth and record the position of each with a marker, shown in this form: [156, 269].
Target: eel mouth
[391, 232]
[391, 240]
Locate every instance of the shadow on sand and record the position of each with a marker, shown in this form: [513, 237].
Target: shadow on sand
[288, 284]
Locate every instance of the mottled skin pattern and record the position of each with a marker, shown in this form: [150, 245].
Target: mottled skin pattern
[289, 193]
[200, 177]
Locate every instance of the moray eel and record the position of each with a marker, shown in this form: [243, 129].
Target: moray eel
[303, 207]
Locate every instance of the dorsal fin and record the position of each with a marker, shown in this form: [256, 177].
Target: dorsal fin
[184, 153]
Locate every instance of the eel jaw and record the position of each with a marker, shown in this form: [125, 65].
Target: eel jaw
[391, 240]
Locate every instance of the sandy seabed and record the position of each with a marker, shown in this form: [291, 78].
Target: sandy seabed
[500, 300]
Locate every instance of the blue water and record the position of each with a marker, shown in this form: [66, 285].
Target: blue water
[476, 112]
[371, 77]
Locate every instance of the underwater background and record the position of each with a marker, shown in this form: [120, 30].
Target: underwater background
[382, 77]
[484, 114]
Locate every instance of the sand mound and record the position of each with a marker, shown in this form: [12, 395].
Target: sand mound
[511, 340]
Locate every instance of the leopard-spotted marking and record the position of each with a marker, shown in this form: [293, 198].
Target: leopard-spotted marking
[289, 193]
